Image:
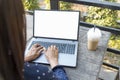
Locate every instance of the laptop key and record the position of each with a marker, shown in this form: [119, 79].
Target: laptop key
[62, 47]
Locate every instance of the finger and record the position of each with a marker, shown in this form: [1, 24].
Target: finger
[37, 45]
[52, 47]
[39, 52]
[34, 46]
[49, 48]
[38, 48]
[56, 50]
[44, 50]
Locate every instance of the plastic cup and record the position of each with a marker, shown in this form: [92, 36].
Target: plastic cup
[93, 37]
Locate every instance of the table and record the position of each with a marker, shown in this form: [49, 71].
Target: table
[88, 62]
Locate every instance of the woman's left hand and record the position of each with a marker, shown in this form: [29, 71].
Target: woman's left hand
[34, 52]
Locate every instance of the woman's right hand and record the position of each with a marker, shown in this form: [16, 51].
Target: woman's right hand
[52, 56]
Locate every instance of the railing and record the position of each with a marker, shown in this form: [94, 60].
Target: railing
[114, 6]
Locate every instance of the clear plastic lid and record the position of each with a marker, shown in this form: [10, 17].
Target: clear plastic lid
[94, 34]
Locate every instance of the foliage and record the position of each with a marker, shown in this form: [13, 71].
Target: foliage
[105, 17]
[47, 4]
[114, 42]
[102, 16]
[31, 4]
[63, 5]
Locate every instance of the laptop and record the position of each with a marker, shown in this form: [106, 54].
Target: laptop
[58, 28]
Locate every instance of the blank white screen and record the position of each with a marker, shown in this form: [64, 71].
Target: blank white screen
[56, 24]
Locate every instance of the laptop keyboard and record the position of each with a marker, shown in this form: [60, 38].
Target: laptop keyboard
[62, 47]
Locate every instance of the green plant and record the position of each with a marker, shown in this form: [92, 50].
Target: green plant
[105, 17]
[102, 16]
[63, 5]
[31, 4]
[114, 42]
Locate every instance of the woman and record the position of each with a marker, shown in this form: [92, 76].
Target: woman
[12, 46]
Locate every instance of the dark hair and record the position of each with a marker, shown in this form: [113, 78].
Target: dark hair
[12, 39]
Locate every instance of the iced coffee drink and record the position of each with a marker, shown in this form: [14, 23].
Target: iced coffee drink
[93, 37]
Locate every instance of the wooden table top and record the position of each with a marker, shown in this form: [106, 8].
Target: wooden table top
[88, 62]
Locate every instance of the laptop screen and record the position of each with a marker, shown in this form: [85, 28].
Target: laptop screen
[56, 24]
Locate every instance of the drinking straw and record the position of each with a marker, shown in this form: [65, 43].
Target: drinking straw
[94, 28]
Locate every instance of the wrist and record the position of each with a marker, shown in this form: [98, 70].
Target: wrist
[53, 64]
[26, 59]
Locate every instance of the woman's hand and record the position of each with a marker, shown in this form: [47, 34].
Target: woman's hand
[52, 55]
[34, 52]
